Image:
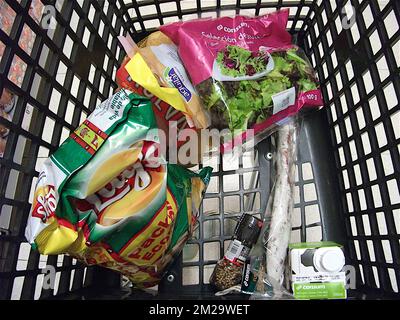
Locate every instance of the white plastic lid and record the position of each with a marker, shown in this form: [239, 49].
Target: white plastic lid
[329, 259]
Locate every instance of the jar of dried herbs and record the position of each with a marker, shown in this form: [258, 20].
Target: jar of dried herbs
[228, 271]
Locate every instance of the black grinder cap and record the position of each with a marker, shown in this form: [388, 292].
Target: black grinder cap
[248, 229]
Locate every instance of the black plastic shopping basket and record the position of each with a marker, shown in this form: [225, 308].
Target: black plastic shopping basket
[348, 176]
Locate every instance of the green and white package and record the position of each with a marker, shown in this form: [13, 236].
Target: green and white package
[108, 197]
[317, 270]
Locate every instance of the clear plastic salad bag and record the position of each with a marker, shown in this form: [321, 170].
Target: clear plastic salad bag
[254, 86]
[246, 71]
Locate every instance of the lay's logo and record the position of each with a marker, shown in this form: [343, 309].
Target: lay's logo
[45, 203]
[174, 79]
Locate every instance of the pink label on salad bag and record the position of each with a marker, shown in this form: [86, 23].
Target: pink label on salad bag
[205, 38]
[311, 98]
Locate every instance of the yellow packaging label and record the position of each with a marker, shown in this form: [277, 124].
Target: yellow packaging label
[137, 274]
[147, 80]
[151, 243]
[89, 137]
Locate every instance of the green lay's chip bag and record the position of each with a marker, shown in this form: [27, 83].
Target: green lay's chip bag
[108, 197]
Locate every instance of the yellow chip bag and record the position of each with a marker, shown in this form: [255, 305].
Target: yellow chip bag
[107, 196]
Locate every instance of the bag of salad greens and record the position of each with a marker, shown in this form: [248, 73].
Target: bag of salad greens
[246, 70]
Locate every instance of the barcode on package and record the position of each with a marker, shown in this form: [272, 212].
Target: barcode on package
[234, 250]
[284, 99]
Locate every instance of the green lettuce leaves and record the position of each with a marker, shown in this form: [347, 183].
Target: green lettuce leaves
[241, 104]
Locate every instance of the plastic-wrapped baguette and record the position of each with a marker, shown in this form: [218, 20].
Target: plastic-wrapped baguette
[282, 201]
[271, 249]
